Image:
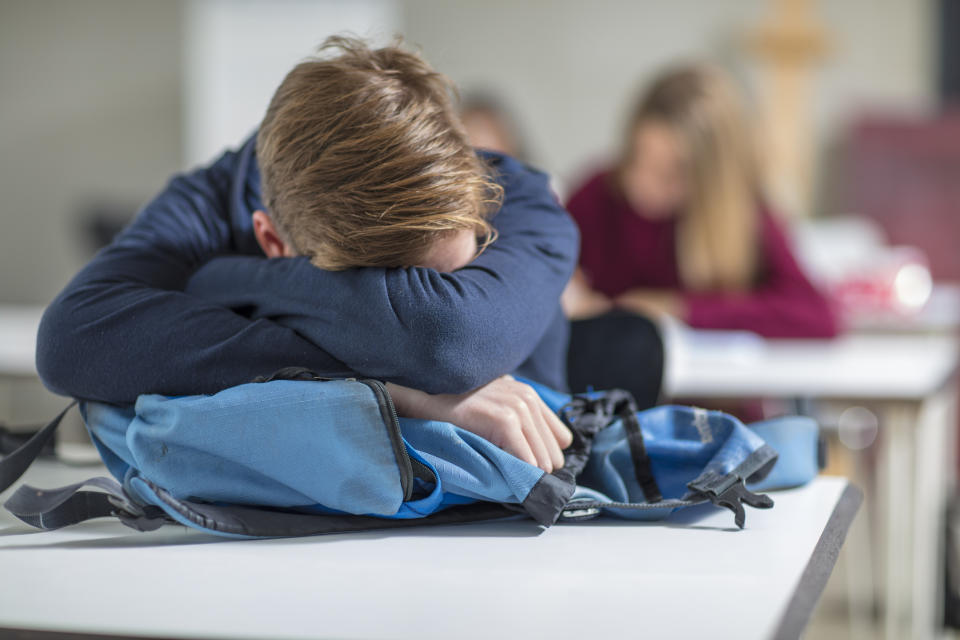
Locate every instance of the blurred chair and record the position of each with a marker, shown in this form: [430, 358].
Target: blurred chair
[99, 224]
[905, 174]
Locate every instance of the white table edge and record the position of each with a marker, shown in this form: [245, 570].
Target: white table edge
[792, 622]
[812, 582]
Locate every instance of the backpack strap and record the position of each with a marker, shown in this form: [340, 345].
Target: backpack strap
[729, 491]
[733, 495]
[15, 464]
[248, 521]
[642, 468]
[587, 414]
[55, 508]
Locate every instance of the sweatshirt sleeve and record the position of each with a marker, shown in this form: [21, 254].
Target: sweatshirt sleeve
[439, 332]
[784, 305]
[123, 326]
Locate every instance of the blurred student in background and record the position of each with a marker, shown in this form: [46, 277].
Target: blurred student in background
[490, 125]
[679, 227]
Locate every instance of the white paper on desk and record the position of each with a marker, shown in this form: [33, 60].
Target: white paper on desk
[684, 344]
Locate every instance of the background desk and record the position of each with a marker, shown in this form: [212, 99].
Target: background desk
[692, 577]
[908, 380]
[23, 399]
[722, 364]
[18, 339]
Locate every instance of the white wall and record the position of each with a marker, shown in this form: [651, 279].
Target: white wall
[883, 59]
[101, 100]
[89, 114]
[570, 68]
[237, 51]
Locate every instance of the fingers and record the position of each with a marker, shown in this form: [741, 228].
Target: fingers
[560, 430]
[553, 431]
[514, 442]
[511, 415]
[550, 441]
[544, 433]
[532, 432]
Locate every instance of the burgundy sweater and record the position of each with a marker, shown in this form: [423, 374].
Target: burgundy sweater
[622, 250]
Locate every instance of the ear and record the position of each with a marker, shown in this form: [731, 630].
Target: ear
[268, 236]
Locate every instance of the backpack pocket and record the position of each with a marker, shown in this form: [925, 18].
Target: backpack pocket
[284, 444]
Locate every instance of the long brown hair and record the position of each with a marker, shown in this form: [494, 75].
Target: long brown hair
[717, 234]
[364, 159]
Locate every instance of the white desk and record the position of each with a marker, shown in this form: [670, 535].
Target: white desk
[18, 339]
[907, 380]
[940, 314]
[721, 364]
[692, 577]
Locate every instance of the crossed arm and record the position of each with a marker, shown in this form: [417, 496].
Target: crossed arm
[133, 321]
[438, 332]
[784, 302]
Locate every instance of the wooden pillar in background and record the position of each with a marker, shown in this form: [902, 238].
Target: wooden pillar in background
[787, 46]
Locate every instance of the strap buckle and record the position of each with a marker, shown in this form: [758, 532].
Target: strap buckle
[733, 497]
[135, 516]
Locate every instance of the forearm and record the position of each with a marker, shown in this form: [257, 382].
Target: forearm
[652, 302]
[440, 332]
[774, 314]
[124, 327]
[581, 301]
[506, 412]
[113, 342]
[425, 334]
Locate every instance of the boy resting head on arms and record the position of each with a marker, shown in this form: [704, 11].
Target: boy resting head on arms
[364, 163]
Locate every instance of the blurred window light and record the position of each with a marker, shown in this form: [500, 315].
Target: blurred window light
[857, 428]
[912, 286]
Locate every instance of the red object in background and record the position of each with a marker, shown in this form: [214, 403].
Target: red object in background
[622, 249]
[905, 174]
[894, 286]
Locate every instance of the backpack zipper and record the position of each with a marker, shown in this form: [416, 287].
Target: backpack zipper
[389, 413]
[408, 467]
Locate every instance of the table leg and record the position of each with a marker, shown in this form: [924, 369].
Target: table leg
[858, 554]
[917, 472]
[934, 465]
[898, 504]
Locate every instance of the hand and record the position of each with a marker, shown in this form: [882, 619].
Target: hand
[580, 302]
[508, 413]
[650, 302]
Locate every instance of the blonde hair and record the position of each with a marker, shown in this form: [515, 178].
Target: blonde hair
[364, 161]
[717, 243]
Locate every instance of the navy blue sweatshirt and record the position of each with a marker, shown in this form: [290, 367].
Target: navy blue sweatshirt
[184, 302]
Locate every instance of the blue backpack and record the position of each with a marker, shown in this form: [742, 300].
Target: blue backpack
[295, 455]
